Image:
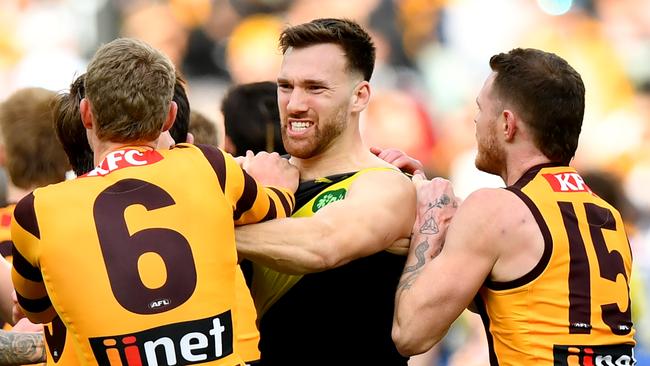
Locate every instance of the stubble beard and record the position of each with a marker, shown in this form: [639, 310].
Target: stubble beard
[323, 137]
[491, 156]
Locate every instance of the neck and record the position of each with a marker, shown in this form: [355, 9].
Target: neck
[520, 164]
[103, 148]
[15, 194]
[346, 154]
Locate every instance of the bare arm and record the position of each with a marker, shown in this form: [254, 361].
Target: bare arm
[367, 221]
[435, 207]
[434, 291]
[18, 348]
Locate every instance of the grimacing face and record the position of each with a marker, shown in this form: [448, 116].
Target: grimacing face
[491, 154]
[314, 98]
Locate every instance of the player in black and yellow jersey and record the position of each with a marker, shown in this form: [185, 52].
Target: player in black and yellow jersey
[153, 262]
[546, 261]
[324, 280]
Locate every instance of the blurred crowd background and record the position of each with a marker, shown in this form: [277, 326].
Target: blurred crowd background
[432, 60]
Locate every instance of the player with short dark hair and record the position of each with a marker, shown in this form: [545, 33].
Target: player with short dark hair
[545, 261]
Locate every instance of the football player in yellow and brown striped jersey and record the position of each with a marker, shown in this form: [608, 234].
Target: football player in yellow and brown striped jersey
[155, 252]
[545, 261]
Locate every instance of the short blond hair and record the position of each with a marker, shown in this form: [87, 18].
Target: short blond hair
[129, 85]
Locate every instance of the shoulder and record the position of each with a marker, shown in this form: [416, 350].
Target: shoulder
[497, 199]
[386, 179]
[489, 210]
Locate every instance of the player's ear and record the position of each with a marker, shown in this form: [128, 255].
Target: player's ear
[85, 110]
[509, 124]
[171, 116]
[361, 96]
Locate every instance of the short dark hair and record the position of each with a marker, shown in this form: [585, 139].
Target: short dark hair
[70, 130]
[355, 41]
[251, 117]
[182, 122]
[548, 93]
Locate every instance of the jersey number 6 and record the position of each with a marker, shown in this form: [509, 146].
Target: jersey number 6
[121, 250]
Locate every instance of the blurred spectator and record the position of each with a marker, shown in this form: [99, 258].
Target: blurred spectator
[305, 10]
[395, 119]
[156, 24]
[252, 54]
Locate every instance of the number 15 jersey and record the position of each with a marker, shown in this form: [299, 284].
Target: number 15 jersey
[138, 257]
[573, 308]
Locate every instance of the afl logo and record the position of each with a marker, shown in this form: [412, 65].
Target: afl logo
[159, 303]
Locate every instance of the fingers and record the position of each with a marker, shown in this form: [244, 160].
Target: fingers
[240, 160]
[375, 150]
[24, 325]
[418, 179]
[391, 155]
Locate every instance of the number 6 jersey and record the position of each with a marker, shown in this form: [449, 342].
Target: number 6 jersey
[138, 256]
[573, 308]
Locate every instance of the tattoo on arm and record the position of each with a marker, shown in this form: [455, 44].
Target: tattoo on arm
[411, 272]
[18, 348]
[420, 249]
[429, 227]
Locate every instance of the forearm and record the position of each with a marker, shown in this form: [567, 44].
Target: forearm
[427, 240]
[408, 333]
[411, 334]
[18, 348]
[294, 245]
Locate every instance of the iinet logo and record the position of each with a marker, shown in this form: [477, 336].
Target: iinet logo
[184, 343]
[566, 182]
[616, 355]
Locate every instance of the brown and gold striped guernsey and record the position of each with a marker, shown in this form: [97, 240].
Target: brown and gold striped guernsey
[573, 308]
[138, 256]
